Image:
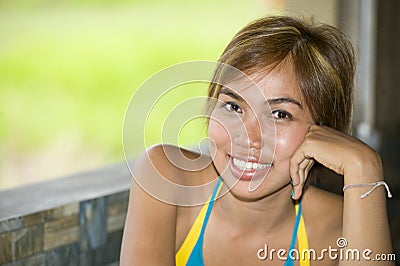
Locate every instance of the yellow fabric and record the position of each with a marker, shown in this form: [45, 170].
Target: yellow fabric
[183, 254]
[302, 240]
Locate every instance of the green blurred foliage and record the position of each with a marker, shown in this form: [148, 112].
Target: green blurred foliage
[69, 68]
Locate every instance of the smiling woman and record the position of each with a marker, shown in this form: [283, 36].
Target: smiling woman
[289, 108]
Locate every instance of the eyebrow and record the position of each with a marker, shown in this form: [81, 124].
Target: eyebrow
[231, 94]
[284, 100]
[279, 100]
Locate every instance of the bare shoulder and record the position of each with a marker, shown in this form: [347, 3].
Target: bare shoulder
[323, 216]
[154, 218]
[178, 165]
[155, 161]
[150, 222]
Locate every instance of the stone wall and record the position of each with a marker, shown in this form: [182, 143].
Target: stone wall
[84, 230]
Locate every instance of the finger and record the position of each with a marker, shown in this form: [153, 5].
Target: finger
[294, 171]
[304, 168]
[295, 161]
[298, 178]
[308, 167]
[298, 188]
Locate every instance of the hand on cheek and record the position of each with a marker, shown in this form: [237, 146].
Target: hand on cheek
[289, 144]
[335, 150]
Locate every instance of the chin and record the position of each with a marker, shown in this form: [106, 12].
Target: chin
[243, 191]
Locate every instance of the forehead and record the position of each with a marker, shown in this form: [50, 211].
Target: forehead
[279, 81]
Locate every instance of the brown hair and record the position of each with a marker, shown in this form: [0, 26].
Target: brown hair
[322, 59]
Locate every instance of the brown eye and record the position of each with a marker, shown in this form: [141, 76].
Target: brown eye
[232, 107]
[281, 115]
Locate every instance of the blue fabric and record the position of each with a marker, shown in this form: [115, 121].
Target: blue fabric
[289, 260]
[196, 257]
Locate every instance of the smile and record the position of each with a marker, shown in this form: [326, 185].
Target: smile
[246, 165]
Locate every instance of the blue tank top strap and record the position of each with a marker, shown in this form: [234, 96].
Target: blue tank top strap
[196, 257]
[289, 261]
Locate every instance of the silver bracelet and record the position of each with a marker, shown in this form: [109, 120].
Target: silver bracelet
[373, 185]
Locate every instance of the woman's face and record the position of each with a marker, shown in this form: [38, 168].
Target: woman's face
[256, 129]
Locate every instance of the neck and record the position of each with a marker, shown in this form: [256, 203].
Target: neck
[263, 215]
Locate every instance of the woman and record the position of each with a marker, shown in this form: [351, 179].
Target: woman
[266, 139]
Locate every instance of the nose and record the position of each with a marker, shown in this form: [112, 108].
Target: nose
[253, 132]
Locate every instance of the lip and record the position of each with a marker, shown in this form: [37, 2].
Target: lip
[247, 175]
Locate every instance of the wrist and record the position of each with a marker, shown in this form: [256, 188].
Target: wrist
[365, 169]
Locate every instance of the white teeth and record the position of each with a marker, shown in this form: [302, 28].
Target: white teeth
[243, 165]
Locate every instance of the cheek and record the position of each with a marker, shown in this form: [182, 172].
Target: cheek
[287, 142]
[218, 134]
[219, 145]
